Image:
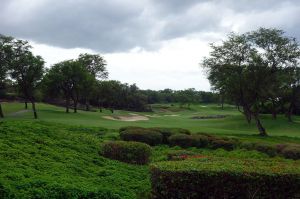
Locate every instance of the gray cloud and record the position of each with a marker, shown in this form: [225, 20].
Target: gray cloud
[120, 25]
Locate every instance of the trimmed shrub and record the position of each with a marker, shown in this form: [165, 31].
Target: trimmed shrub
[248, 145]
[130, 152]
[265, 148]
[167, 132]
[291, 152]
[183, 140]
[130, 128]
[225, 144]
[142, 135]
[225, 178]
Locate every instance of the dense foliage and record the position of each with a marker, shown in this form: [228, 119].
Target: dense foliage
[207, 177]
[152, 136]
[258, 71]
[130, 152]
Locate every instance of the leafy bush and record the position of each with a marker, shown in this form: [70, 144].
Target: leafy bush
[291, 152]
[167, 132]
[183, 140]
[142, 135]
[266, 148]
[130, 152]
[225, 144]
[225, 178]
[129, 128]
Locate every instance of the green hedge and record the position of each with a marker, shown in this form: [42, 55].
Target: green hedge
[289, 151]
[130, 152]
[142, 135]
[202, 141]
[225, 178]
[152, 136]
[167, 132]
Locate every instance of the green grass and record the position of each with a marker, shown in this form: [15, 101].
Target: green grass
[233, 124]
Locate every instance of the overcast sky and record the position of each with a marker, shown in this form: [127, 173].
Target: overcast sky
[156, 44]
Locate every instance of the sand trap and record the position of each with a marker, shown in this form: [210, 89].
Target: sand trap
[129, 118]
[153, 115]
[171, 115]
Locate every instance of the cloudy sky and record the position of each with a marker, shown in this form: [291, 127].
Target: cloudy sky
[155, 43]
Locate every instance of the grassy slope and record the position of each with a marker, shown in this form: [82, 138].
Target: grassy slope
[36, 158]
[42, 159]
[234, 123]
[60, 151]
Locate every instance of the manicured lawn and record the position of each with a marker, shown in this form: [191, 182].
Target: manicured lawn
[233, 124]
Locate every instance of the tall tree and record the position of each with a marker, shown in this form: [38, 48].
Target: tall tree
[27, 70]
[234, 68]
[5, 56]
[281, 54]
[68, 77]
[250, 68]
[96, 66]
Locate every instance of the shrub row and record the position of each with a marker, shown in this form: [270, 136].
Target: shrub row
[151, 136]
[225, 178]
[290, 151]
[130, 152]
[201, 141]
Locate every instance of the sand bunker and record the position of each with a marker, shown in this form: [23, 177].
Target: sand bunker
[128, 118]
[171, 115]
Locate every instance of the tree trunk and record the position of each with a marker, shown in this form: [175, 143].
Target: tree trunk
[289, 113]
[274, 112]
[222, 102]
[247, 114]
[26, 106]
[75, 106]
[87, 105]
[67, 104]
[34, 109]
[1, 112]
[261, 129]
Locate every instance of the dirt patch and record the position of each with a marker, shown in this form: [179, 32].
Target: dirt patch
[128, 118]
[208, 117]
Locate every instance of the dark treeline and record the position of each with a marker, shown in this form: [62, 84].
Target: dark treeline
[77, 84]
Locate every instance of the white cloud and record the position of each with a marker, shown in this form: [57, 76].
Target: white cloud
[175, 65]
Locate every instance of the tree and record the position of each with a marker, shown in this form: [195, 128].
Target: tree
[281, 54]
[5, 54]
[251, 69]
[96, 66]
[27, 70]
[229, 67]
[69, 77]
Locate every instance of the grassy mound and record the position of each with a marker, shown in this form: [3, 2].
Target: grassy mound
[46, 160]
[225, 178]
